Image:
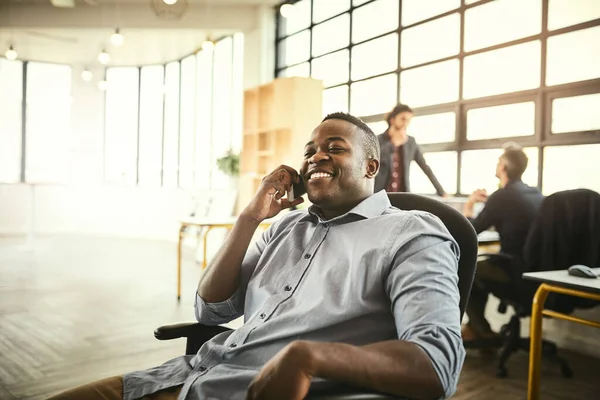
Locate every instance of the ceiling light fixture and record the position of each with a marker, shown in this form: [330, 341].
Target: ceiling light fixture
[286, 10]
[11, 54]
[87, 75]
[169, 2]
[208, 44]
[104, 57]
[117, 38]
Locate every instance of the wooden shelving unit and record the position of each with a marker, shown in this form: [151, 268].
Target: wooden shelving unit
[278, 120]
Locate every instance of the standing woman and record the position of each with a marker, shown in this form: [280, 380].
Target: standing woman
[397, 151]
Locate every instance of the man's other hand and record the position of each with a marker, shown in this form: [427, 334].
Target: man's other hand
[285, 376]
[269, 200]
[479, 195]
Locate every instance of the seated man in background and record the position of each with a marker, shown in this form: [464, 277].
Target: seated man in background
[511, 210]
[351, 290]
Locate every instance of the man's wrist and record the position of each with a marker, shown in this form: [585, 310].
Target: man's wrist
[303, 354]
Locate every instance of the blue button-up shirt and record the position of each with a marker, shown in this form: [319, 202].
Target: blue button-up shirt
[374, 274]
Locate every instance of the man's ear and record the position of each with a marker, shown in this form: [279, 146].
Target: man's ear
[372, 168]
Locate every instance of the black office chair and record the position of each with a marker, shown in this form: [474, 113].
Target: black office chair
[459, 228]
[565, 232]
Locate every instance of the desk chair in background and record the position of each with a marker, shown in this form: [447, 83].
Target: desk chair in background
[565, 232]
[459, 228]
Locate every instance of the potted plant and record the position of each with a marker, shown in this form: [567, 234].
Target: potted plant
[229, 164]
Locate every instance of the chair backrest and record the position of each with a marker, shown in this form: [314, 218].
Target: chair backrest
[459, 227]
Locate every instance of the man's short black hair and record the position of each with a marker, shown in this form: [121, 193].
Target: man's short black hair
[400, 108]
[515, 160]
[369, 141]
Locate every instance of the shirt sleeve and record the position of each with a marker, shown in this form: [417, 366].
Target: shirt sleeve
[488, 215]
[232, 308]
[423, 288]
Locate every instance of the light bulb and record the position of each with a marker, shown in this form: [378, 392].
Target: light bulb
[117, 39]
[208, 45]
[286, 10]
[87, 75]
[104, 57]
[102, 85]
[169, 2]
[11, 54]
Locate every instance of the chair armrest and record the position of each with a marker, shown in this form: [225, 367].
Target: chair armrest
[187, 329]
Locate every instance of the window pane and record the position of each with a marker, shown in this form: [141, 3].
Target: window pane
[221, 132]
[11, 87]
[478, 169]
[433, 84]
[363, 101]
[121, 125]
[418, 10]
[570, 167]
[433, 128]
[378, 127]
[508, 120]
[171, 129]
[576, 114]
[332, 69]
[444, 166]
[325, 9]
[151, 125]
[374, 19]
[204, 78]
[335, 99]
[331, 35]
[488, 24]
[573, 56]
[237, 93]
[48, 122]
[505, 70]
[431, 41]
[294, 49]
[298, 20]
[302, 70]
[563, 13]
[187, 121]
[375, 57]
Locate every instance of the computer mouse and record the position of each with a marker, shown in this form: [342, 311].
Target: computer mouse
[582, 271]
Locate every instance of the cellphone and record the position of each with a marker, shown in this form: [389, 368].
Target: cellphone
[296, 190]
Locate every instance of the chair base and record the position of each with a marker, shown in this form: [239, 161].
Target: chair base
[511, 342]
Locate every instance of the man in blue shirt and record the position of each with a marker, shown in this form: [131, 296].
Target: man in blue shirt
[511, 210]
[350, 291]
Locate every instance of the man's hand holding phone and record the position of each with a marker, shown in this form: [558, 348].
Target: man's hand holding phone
[269, 200]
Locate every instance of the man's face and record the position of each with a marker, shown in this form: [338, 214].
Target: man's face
[401, 121]
[500, 167]
[334, 169]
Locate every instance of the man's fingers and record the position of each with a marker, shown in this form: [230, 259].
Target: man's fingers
[291, 171]
[285, 203]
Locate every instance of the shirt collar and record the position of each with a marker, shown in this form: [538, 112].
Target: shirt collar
[372, 206]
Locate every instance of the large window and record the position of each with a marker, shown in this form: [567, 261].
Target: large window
[166, 125]
[11, 102]
[473, 83]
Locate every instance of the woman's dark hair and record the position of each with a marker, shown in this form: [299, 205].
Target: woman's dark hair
[400, 108]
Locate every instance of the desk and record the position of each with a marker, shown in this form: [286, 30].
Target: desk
[205, 225]
[554, 282]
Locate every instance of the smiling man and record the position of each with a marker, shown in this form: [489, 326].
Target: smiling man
[351, 291]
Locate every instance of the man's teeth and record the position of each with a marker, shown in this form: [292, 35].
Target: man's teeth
[317, 175]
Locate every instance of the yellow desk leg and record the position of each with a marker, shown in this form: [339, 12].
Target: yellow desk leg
[179, 244]
[535, 352]
[204, 243]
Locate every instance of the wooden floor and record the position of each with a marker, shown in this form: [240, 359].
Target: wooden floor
[73, 310]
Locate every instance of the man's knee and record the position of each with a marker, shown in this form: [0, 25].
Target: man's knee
[105, 389]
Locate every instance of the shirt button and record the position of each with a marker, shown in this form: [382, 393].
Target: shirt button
[307, 256]
[395, 174]
[262, 316]
[326, 225]
[202, 369]
[394, 185]
[233, 345]
[287, 288]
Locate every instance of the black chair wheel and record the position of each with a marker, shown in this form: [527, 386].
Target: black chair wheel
[501, 372]
[566, 371]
